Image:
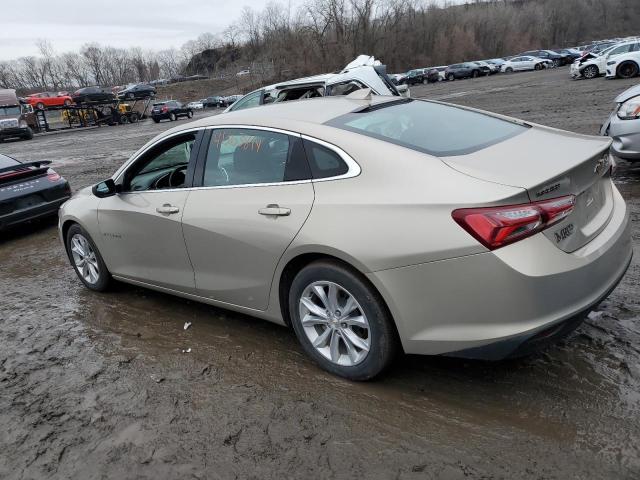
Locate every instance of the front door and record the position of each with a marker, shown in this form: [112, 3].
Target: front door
[141, 226]
[255, 196]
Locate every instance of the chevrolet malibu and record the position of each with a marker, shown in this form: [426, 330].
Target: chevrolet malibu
[368, 224]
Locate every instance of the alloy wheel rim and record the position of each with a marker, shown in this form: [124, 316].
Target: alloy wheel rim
[335, 323]
[84, 258]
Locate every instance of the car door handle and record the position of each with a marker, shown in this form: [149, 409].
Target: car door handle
[167, 209]
[274, 209]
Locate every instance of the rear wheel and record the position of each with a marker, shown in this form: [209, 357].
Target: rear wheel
[172, 117]
[451, 77]
[86, 259]
[67, 102]
[475, 74]
[133, 118]
[157, 120]
[509, 70]
[627, 70]
[123, 119]
[189, 114]
[538, 66]
[341, 321]
[590, 72]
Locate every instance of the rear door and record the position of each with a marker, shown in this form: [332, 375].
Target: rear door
[255, 196]
[141, 226]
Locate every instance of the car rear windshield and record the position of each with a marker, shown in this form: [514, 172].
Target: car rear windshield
[433, 128]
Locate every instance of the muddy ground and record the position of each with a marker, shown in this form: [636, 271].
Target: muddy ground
[96, 385]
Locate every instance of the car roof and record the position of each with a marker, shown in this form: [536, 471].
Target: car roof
[299, 116]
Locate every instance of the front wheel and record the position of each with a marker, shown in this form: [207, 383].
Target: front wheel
[590, 72]
[475, 74]
[86, 259]
[509, 70]
[538, 66]
[189, 114]
[341, 321]
[172, 117]
[28, 135]
[451, 77]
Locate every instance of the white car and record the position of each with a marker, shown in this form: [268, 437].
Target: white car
[625, 65]
[364, 72]
[197, 105]
[525, 62]
[590, 65]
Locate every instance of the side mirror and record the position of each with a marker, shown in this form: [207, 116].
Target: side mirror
[104, 189]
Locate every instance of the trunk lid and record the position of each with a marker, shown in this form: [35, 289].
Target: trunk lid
[551, 163]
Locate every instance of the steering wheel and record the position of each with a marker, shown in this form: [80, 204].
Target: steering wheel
[173, 180]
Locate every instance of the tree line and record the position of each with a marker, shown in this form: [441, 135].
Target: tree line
[324, 35]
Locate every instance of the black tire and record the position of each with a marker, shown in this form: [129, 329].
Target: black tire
[475, 74]
[538, 66]
[104, 277]
[627, 70]
[157, 120]
[67, 103]
[189, 114]
[383, 338]
[133, 118]
[172, 117]
[28, 135]
[451, 77]
[590, 72]
[508, 70]
[123, 120]
[557, 63]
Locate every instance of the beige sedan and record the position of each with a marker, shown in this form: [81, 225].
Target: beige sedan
[369, 225]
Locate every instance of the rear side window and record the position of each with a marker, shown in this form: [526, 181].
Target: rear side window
[439, 130]
[324, 162]
[248, 157]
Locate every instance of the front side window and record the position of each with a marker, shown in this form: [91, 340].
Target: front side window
[238, 156]
[162, 167]
[251, 100]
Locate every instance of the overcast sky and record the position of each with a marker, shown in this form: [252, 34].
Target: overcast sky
[153, 24]
[150, 24]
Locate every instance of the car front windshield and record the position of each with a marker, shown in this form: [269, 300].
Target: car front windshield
[429, 127]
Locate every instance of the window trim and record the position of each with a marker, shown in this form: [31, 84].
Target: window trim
[120, 173]
[353, 168]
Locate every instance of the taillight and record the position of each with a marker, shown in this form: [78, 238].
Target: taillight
[496, 227]
[165, 109]
[53, 176]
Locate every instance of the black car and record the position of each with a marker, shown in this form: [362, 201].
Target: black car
[211, 102]
[414, 77]
[170, 110]
[93, 95]
[572, 55]
[141, 90]
[462, 70]
[558, 60]
[29, 191]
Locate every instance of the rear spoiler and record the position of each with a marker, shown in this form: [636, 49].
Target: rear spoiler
[37, 164]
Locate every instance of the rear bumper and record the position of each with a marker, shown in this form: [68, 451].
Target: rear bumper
[487, 305]
[32, 213]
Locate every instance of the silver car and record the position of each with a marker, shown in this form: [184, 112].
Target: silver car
[370, 225]
[623, 125]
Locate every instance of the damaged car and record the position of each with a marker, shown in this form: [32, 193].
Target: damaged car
[364, 72]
